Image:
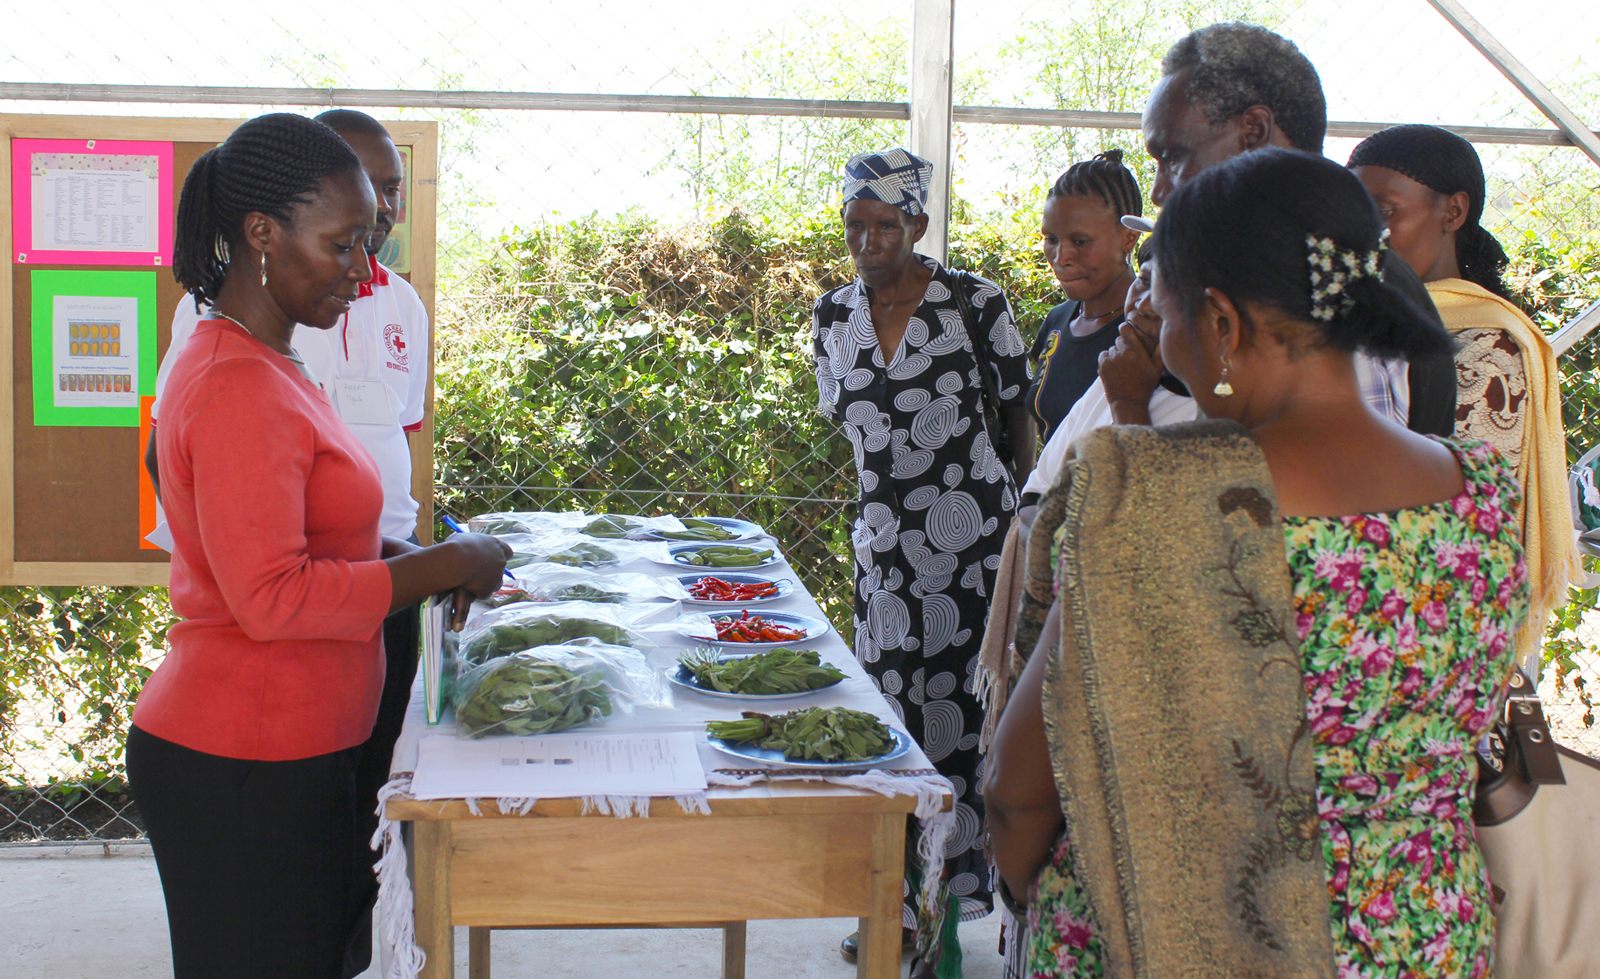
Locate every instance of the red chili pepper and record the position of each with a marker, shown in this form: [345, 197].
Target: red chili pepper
[755, 628]
[717, 590]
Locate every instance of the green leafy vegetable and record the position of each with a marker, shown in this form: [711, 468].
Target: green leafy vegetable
[613, 526]
[814, 734]
[526, 695]
[504, 638]
[776, 671]
[581, 555]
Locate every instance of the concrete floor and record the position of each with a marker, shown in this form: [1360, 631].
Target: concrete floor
[76, 913]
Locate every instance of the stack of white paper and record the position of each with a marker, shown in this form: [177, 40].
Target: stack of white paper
[559, 766]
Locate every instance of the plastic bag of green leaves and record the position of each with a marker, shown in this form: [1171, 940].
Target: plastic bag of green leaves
[573, 550]
[524, 625]
[617, 526]
[551, 688]
[552, 583]
[527, 522]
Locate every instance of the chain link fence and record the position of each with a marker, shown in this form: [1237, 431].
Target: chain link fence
[624, 298]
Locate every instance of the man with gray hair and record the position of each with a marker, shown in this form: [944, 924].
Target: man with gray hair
[1231, 88]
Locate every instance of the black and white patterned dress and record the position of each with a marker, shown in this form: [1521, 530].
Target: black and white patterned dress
[934, 509]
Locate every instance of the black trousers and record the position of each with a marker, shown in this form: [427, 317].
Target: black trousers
[256, 858]
[372, 771]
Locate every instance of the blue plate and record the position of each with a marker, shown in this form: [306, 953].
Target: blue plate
[684, 678]
[775, 759]
[742, 530]
[785, 587]
[810, 625]
[681, 553]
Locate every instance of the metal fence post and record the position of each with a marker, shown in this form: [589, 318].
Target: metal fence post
[932, 67]
[1518, 74]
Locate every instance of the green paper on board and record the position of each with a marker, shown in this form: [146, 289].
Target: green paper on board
[94, 346]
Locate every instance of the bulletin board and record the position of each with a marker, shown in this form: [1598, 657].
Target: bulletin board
[86, 307]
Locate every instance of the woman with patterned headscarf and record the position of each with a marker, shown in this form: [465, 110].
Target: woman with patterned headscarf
[1429, 187]
[907, 357]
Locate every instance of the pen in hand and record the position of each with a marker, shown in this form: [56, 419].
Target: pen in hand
[456, 527]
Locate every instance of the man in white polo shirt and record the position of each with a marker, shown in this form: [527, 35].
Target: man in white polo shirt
[374, 368]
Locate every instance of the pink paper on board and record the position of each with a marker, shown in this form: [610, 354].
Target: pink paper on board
[22, 154]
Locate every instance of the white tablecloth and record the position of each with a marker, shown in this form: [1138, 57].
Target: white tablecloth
[691, 710]
[911, 774]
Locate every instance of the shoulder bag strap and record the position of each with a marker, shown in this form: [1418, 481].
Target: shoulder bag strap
[998, 436]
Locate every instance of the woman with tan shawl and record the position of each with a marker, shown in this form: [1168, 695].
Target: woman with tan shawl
[1243, 745]
[1429, 187]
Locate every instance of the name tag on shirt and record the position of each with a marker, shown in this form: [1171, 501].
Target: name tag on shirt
[363, 402]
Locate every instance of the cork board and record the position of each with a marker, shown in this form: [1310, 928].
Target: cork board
[71, 496]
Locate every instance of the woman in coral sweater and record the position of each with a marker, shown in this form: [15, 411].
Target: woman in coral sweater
[244, 743]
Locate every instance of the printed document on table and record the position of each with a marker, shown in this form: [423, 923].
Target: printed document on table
[558, 766]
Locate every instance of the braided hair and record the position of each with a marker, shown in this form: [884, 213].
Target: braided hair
[1445, 164]
[269, 165]
[1106, 177]
[1252, 228]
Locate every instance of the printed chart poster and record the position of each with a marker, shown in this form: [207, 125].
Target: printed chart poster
[93, 347]
[91, 202]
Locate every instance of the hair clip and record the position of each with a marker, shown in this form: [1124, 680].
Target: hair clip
[1333, 269]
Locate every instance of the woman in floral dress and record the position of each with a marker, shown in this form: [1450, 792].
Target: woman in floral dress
[1406, 585]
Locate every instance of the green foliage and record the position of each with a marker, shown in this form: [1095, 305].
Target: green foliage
[618, 365]
[781, 168]
[1554, 283]
[76, 658]
[1562, 646]
[1105, 55]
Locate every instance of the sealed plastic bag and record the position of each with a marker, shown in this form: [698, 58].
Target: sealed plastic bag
[552, 688]
[527, 522]
[558, 547]
[555, 583]
[616, 526]
[575, 550]
[524, 625]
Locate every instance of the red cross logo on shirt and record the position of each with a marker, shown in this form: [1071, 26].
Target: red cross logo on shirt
[394, 337]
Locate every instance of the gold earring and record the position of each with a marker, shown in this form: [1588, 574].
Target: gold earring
[1223, 388]
[263, 270]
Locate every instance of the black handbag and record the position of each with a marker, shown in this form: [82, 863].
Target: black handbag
[993, 421]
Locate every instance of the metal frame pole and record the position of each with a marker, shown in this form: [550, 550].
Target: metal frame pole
[932, 73]
[1519, 75]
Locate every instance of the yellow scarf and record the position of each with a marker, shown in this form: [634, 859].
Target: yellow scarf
[1547, 536]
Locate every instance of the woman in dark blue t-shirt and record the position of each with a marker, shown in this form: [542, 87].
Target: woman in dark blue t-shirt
[1087, 248]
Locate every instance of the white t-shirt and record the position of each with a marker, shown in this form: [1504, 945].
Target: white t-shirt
[1384, 385]
[1091, 412]
[383, 338]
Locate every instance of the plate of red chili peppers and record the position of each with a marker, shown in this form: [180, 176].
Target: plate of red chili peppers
[735, 588]
[747, 630]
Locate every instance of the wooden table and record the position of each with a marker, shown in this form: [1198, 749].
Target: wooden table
[769, 851]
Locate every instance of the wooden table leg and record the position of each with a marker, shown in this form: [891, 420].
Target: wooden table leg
[478, 953]
[431, 897]
[733, 935]
[879, 956]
